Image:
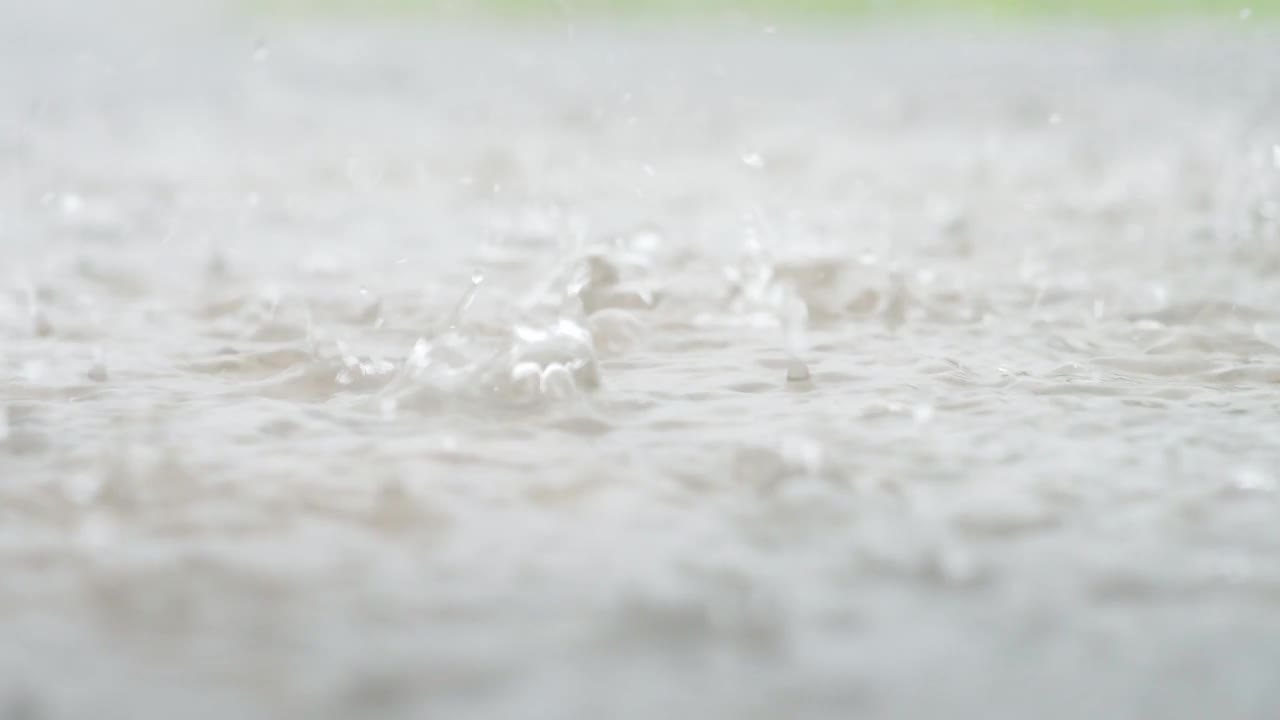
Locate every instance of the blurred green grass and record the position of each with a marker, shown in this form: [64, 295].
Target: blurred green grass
[1226, 10]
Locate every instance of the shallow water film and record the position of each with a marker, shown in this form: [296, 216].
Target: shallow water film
[375, 368]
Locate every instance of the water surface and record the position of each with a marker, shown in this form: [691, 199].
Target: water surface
[580, 371]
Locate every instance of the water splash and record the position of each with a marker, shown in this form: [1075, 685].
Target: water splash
[464, 303]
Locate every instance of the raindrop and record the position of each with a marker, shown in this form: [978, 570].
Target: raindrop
[1275, 156]
[261, 52]
[753, 160]
[464, 302]
[1246, 13]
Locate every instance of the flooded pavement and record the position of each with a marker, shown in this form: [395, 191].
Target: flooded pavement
[403, 370]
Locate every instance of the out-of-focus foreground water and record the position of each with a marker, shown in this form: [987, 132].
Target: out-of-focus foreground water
[416, 370]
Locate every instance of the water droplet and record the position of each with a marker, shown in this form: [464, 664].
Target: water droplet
[1275, 156]
[1246, 13]
[261, 52]
[1055, 119]
[525, 378]
[421, 356]
[556, 381]
[464, 302]
[753, 160]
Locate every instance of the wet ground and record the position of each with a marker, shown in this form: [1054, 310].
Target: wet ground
[398, 369]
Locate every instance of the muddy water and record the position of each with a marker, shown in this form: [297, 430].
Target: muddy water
[364, 370]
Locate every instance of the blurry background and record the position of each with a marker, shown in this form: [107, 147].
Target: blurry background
[671, 9]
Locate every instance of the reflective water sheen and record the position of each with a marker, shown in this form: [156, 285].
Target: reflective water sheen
[358, 370]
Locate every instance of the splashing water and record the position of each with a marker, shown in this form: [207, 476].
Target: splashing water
[464, 302]
[882, 380]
